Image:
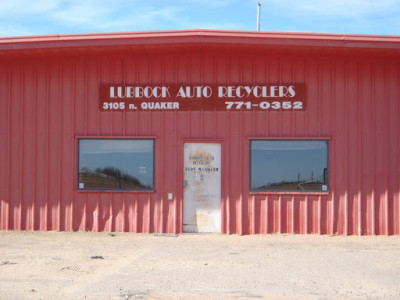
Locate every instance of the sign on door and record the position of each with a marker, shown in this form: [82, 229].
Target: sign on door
[202, 187]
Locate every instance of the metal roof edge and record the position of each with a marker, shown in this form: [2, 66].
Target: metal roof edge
[201, 36]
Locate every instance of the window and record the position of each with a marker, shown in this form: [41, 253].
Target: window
[289, 165]
[116, 164]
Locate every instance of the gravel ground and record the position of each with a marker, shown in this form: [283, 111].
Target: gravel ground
[86, 265]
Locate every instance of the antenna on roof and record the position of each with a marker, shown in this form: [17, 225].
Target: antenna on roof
[258, 15]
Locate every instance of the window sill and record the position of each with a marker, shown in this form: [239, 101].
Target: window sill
[292, 193]
[115, 191]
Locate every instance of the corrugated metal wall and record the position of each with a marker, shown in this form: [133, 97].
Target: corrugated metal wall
[46, 103]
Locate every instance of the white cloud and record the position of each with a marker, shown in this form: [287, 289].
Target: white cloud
[212, 3]
[89, 15]
[101, 15]
[21, 17]
[23, 7]
[337, 8]
[153, 17]
[78, 14]
[210, 25]
[15, 30]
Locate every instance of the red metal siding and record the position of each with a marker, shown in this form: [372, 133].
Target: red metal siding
[46, 103]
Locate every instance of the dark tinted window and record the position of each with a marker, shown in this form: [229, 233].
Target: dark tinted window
[116, 164]
[289, 165]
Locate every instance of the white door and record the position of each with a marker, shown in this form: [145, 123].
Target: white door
[202, 187]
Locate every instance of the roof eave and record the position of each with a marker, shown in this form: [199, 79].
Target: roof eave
[199, 36]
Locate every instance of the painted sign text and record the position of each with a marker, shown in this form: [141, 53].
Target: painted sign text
[264, 97]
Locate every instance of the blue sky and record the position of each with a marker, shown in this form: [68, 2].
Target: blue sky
[36, 17]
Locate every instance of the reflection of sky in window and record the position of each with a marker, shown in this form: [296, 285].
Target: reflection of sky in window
[278, 161]
[134, 157]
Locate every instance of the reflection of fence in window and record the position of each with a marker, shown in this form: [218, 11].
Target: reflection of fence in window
[311, 183]
[109, 178]
[289, 165]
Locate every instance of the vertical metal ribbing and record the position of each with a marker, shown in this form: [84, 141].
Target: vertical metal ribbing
[331, 151]
[136, 113]
[280, 214]
[123, 72]
[253, 214]
[98, 115]
[72, 149]
[161, 226]
[319, 133]
[387, 204]
[215, 112]
[178, 182]
[241, 198]
[150, 224]
[373, 119]
[293, 116]
[292, 133]
[154, 222]
[228, 158]
[293, 215]
[35, 137]
[346, 196]
[163, 166]
[130, 214]
[201, 111]
[8, 181]
[96, 213]
[149, 220]
[306, 70]
[178, 201]
[319, 214]
[267, 133]
[86, 125]
[306, 214]
[110, 222]
[47, 163]
[22, 155]
[280, 82]
[136, 213]
[266, 213]
[398, 154]
[359, 160]
[60, 127]
[69, 213]
[228, 186]
[241, 122]
[319, 101]
[373, 150]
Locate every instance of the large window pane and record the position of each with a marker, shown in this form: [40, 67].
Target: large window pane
[289, 165]
[116, 164]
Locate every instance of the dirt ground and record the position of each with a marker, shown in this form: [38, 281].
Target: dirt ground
[82, 265]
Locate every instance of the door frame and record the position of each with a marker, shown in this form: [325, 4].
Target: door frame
[181, 177]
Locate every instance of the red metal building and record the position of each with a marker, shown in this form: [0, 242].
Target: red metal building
[215, 131]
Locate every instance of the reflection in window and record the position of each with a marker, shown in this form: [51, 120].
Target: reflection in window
[116, 164]
[289, 165]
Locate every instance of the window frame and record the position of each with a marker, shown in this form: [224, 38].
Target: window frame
[288, 192]
[122, 190]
